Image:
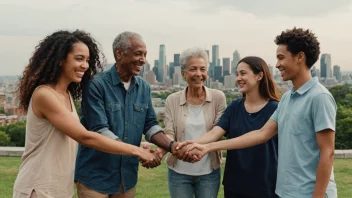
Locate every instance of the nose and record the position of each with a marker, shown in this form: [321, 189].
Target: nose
[277, 64]
[143, 59]
[85, 65]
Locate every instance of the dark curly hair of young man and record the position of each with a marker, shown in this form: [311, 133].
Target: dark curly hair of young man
[300, 40]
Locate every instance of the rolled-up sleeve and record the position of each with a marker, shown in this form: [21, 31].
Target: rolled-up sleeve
[151, 125]
[93, 110]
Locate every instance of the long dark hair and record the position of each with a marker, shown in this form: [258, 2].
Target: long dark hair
[267, 87]
[44, 65]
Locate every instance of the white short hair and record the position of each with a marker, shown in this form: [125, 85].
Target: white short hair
[190, 53]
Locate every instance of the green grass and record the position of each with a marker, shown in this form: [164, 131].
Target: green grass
[153, 182]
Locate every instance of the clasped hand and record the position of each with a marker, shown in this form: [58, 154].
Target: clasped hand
[189, 151]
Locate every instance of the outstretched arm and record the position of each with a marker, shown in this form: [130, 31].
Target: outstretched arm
[47, 105]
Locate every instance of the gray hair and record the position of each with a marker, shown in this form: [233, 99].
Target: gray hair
[122, 41]
[190, 53]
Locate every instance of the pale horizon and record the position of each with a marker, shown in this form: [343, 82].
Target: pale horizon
[248, 26]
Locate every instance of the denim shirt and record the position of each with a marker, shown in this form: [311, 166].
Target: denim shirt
[109, 109]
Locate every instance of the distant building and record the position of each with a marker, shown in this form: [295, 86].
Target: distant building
[337, 73]
[217, 73]
[151, 78]
[229, 81]
[235, 59]
[226, 66]
[325, 66]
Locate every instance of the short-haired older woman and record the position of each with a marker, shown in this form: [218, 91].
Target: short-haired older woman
[190, 113]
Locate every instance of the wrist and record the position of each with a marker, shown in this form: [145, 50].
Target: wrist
[170, 146]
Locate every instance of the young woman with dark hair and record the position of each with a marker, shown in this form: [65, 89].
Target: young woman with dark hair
[250, 172]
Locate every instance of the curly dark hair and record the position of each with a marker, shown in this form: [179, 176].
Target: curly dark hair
[300, 40]
[44, 65]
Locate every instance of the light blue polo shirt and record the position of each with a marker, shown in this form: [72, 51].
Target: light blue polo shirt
[300, 115]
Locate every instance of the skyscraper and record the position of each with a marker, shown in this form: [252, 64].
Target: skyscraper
[217, 73]
[215, 55]
[226, 66]
[325, 66]
[235, 59]
[177, 60]
[162, 63]
[171, 69]
[337, 73]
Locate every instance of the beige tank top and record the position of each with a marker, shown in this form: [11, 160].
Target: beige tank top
[48, 160]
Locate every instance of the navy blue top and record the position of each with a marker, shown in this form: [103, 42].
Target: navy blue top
[250, 171]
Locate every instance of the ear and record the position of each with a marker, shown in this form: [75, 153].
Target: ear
[118, 54]
[183, 73]
[260, 76]
[301, 57]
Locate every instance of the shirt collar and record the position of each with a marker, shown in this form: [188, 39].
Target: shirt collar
[116, 78]
[309, 84]
[183, 100]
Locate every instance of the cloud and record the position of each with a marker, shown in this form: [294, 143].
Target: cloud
[272, 8]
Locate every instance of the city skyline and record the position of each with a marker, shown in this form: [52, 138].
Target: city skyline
[246, 26]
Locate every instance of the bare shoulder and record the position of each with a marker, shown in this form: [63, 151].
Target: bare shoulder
[43, 100]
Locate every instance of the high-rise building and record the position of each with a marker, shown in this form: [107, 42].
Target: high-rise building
[217, 73]
[162, 64]
[337, 73]
[229, 81]
[235, 59]
[177, 60]
[226, 66]
[177, 77]
[171, 69]
[156, 67]
[151, 78]
[215, 55]
[325, 66]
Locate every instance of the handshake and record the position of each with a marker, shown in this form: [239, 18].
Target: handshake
[187, 151]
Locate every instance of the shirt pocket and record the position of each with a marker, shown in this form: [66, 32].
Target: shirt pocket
[112, 107]
[113, 113]
[140, 112]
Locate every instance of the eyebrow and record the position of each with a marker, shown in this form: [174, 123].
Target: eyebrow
[80, 55]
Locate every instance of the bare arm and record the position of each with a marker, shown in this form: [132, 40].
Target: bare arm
[211, 136]
[247, 140]
[326, 144]
[48, 106]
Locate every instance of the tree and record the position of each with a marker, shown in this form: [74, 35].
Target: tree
[17, 133]
[4, 139]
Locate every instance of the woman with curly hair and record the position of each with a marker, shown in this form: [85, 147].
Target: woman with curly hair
[58, 70]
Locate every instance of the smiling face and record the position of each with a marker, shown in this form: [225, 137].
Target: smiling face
[287, 63]
[246, 79]
[195, 72]
[76, 63]
[134, 58]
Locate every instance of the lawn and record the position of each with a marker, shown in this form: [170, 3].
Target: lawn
[153, 182]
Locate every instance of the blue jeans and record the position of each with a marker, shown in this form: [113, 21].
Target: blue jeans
[187, 186]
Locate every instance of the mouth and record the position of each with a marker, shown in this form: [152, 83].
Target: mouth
[282, 71]
[197, 80]
[80, 73]
[241, 84]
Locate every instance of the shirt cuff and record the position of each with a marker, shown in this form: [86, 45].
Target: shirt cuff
[152, 131]
[107, 133]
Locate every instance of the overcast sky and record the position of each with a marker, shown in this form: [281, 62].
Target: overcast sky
[249, 26]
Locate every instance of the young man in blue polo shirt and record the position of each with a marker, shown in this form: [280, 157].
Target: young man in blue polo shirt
[304, 120]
